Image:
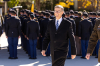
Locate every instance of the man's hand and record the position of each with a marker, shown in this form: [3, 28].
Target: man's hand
[27, 38]
[37, 37]
[87, 56]
[79, 37]
[43, 52]
[6, 36]
[73, 56]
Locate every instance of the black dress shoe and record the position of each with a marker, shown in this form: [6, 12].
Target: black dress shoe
[96, 57]
[10, 58]
[69, 58]
[32, 58]
[83, 57]
[16, 58]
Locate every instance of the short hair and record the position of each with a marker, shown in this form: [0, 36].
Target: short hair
[59, 6]
[79, 13]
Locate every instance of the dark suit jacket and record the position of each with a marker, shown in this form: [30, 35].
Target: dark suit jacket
[32, 30]
[73, 24]
[85, 29]
[13, 26]
[44, 24]
[59, 39]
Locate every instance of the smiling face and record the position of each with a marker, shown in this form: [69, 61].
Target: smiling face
[58, 13]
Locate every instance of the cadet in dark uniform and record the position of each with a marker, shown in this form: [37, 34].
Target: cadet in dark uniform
[90, 15]
[52, 15]
[85, 29]
[5, 19]
[43, 30]
[78, 41]
[72, 14]
[13, 31]
[26, 44]
[74, 30]
[93, 18]
[32, 36]
[21, 19]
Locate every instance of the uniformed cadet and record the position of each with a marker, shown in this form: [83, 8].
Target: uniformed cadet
[40, 22]
[32, 36]
[78, 41]
[74, 30]
[21, 19]
[43, 30]
[90, 15]
[93, 22]
[85, 29]
[93, 18]
[5, 19]
[26, 42]
[72, 14]
[76, 14]
[52, 15]
[95, 36]
[13, 32]
[98, 43]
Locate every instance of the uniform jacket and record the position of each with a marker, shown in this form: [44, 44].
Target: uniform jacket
[95, 36]
[13, 27]
[85, 29]
[32, 30]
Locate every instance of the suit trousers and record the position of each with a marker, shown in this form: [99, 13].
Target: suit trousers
[13, 42]
[84, 46]
[58, 58]
[33, 44]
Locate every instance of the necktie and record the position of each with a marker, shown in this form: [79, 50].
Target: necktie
[57, 25]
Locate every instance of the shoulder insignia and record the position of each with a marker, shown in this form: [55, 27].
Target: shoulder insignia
[28, 21]
[16, 17]
[8, 18]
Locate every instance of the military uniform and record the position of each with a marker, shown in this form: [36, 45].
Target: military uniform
[32, 34]
[95, 36]
[13, 31]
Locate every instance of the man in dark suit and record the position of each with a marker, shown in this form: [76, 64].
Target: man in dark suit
[85, 29]
[58, 32]
[13, 31]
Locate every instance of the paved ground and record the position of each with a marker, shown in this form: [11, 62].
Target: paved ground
[40, 61]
